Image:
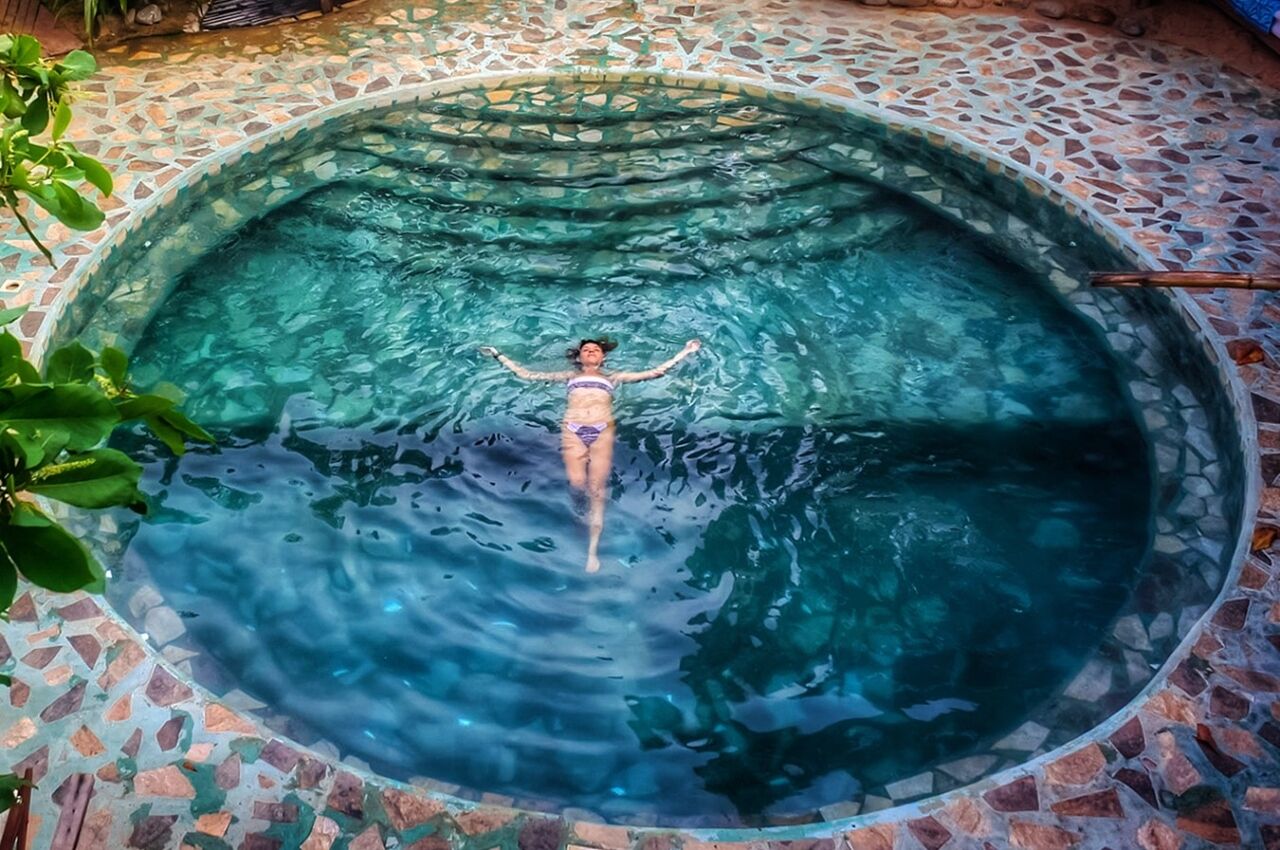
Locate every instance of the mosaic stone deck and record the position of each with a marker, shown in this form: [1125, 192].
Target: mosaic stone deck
[1174, 159]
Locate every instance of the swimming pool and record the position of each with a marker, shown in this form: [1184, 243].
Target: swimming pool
[892, 508]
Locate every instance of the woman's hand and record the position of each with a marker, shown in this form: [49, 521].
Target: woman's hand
[488, 351]
[692, 346]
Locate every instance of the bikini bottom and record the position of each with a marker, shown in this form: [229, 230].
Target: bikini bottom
[588, 434]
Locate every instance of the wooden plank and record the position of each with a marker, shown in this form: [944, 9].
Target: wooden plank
[15, 824]
[29, 17]
[75, 805]
[18, 15]
[11, 819]
[1199, 280]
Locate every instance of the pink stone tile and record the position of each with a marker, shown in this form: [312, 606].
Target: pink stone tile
[1077, 768]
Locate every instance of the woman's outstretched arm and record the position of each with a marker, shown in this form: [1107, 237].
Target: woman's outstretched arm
[659, 370]
[526, 374]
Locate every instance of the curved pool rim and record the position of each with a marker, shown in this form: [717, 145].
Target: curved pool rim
[1001, 169]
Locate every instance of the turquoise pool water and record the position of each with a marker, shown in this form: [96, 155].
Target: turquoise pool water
[883, 514]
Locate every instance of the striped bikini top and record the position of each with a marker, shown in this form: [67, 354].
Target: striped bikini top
[589, 382]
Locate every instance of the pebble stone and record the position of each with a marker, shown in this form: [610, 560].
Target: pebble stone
[149, 15]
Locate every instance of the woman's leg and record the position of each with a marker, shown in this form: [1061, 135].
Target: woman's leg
[598, 469]
[574, 452]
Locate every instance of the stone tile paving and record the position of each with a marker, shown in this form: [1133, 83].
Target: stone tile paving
[1173, 158]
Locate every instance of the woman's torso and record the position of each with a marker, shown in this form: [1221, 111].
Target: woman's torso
[590, 399]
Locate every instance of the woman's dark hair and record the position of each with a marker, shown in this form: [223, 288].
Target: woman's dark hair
[606, 345]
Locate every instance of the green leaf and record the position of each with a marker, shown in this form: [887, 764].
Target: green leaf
[33, 75]
[65, 204]
[18, 177]
[29, 516]
[31, 450]
[115, 364]
[26, 50]
[13, 782]
[61, 119]
[12, 314]
[138, 406]
[77, 65]
[77, 212]
[79, 411]
[71, 363]
[181, 423]
[99, 479]
[9, 787]
[68, 174]
[5, 680]
[8, 584]
[168, 435]
[11, 103]
[13, 363]
[36, 153]
[174, 429]
[51, 558]
[28, 450]
[43, 195]
[10, 784]
[94, 173]
[36, 118]
[53, 158]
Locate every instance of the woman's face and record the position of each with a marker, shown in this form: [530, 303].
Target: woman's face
[591, 355]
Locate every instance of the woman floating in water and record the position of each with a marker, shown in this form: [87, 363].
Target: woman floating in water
[586, 440]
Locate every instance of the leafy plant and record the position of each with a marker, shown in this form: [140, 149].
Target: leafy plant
[35, 96]
[90, 9]
[52, 430]
[52, 426]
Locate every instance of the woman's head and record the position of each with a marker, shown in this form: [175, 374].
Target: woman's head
[591, 352]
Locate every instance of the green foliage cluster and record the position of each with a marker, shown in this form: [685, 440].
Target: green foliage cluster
[35, 97]
[52, 427]
[91, 10]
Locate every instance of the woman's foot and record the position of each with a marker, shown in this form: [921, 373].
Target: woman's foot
[593, 564]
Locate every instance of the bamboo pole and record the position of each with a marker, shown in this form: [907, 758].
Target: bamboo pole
[1206, 280]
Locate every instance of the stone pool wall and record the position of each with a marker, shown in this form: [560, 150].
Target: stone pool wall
[1169, 155]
